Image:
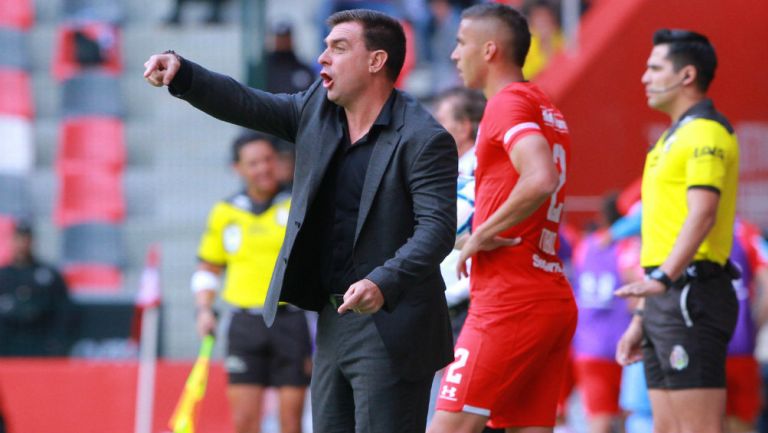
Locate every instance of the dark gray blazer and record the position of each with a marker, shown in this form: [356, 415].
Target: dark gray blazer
[407, 219]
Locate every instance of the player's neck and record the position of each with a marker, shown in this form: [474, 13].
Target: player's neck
[499, 78]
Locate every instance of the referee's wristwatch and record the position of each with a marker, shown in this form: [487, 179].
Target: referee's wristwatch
[660, 276]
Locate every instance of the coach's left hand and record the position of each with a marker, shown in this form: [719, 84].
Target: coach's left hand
[641, 288]
[363, 297]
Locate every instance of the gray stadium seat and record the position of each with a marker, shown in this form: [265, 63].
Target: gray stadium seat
[14, 196]
[14, 52]
[93, 10]
[93, 243]
[92, 94]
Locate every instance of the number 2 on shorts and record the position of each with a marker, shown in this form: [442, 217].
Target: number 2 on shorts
[461, 356]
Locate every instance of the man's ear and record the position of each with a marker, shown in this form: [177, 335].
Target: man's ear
[490, 49]
[377, 60]
[689, 74]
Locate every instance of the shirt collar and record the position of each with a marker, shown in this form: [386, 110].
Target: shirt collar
[385, 115]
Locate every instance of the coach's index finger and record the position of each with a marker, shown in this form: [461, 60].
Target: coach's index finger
[151, 66]
[351, 302]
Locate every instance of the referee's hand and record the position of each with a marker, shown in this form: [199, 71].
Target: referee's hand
[161, 68]
[641, 289]
[628, 349]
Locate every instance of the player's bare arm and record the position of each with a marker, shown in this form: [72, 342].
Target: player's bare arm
[532, 158]
[161, 69]
[702, 214]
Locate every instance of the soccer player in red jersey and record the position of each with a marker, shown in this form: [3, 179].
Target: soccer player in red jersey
[510, 357]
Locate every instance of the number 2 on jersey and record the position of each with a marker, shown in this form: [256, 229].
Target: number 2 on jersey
[555, 210]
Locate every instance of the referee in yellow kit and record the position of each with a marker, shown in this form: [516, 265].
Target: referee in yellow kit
[243, 238]
[682, 328]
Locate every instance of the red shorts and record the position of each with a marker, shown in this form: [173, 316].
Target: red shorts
[600, 383]
[742, 382]
[510, 364]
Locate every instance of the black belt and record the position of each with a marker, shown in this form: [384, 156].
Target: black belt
[258, 311]
[703, 270]
[336, 299]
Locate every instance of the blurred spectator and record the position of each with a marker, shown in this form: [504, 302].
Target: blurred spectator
[286, 164]
[214, 14]
[444, 26]
[546, 35]
[285, 72]
[35, 309]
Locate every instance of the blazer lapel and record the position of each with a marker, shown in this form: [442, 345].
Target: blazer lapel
[327, 143]
[382, 152]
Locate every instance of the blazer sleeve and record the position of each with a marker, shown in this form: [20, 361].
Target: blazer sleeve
[224, 98]
[432, 183]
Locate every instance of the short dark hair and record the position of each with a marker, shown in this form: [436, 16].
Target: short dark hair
[380, 32]
[512, 19]
[689, 48]
[249, 137]
[469, 105]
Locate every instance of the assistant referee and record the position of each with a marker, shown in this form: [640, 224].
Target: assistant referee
[243, 238]
[689, 202]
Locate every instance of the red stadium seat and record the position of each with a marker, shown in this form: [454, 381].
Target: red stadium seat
[6, 238]
[93, 278]
[18, 14]
[15, 93]
[89, 194]
[91, 142]
[65, 63]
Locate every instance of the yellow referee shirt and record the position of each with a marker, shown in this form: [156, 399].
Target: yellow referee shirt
[246, 240]
[700, 150]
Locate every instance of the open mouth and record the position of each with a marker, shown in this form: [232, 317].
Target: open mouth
[327, 80]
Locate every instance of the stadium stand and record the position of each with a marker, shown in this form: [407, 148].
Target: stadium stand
[91, 93]
[6, 237]
[89, 195]
[92, 278]
[17, 14]
[92, 243]
[91, 141]
[16, 146]
[15, 93]
[84, 46]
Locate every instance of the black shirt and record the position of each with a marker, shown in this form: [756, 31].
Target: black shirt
[338, 200]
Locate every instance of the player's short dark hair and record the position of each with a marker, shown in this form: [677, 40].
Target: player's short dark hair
[512, 19]
[380, 32]
[468, 105]
[689, 48]
[249, 137]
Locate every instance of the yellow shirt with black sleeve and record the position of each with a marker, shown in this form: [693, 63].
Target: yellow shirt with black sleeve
[245, 237]
[698, 151]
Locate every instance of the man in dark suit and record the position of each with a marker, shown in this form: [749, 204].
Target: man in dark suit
[373, 215]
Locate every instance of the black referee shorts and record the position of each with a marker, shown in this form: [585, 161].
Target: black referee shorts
[270, 357]
[687, 330]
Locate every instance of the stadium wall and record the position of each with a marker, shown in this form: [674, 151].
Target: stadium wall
[597, 86]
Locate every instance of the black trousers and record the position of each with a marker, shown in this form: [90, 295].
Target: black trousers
[354, 387]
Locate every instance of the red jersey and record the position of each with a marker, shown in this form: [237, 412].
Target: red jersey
[529, 271]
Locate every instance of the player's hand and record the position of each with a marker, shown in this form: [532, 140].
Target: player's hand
[641, 288]
[161, 69]
[205, 322]
[363, 297]
[628, 350]
[475, 244]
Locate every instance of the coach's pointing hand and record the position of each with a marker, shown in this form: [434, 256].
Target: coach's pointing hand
[161, 68]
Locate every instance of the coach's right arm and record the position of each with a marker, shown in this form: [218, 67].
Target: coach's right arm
[224, 98]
